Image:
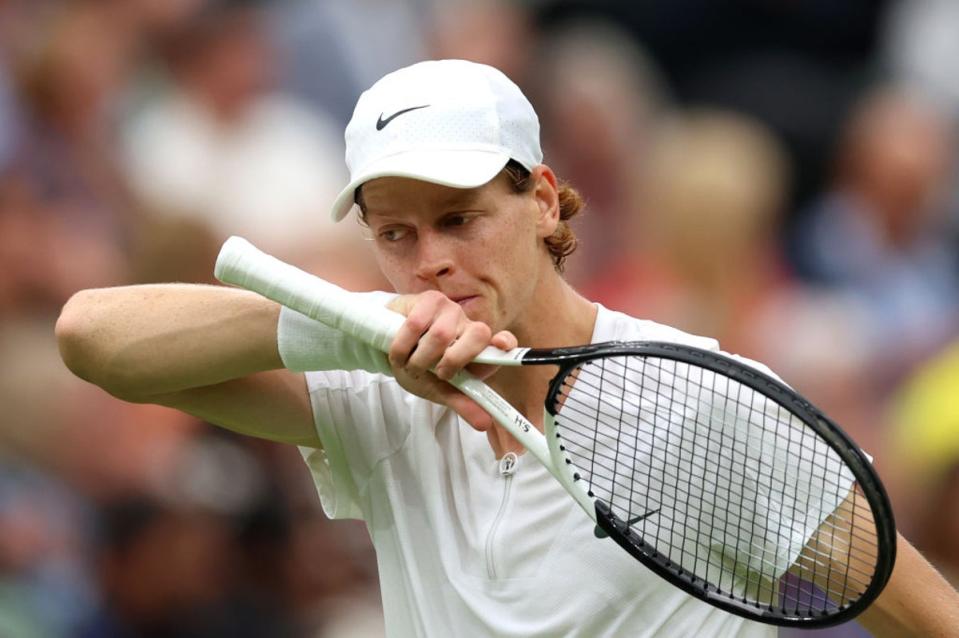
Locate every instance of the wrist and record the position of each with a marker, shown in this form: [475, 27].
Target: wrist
[305, 344]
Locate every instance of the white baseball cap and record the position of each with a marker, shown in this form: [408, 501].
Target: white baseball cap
[449, 122]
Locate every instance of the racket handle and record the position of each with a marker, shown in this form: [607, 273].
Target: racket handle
[241, 264]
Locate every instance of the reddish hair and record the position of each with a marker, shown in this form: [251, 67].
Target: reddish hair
[562, 243]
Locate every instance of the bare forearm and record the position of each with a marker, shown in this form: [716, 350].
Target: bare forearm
[917, 601]
[139, 341]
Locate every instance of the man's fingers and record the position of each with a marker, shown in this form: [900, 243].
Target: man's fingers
[504, 340]
[438, 336]
[474, 337]
[435, 342]
[482, 371]
[420, 318]
[469, 410]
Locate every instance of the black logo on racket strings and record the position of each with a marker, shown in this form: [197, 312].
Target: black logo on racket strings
[381, 123]
[599, 532]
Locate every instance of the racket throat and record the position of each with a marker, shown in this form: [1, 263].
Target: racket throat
[605, 521]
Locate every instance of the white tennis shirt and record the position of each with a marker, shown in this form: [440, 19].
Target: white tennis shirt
[469, 545]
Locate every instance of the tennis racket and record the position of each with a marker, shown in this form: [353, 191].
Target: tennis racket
[714, 475]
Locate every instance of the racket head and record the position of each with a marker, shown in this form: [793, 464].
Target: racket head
[760, 506]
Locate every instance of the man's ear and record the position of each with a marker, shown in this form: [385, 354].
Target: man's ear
[546, 194]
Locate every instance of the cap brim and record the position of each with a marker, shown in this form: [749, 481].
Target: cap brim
[456, 168]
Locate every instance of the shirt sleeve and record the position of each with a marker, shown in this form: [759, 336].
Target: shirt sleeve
[361, 419]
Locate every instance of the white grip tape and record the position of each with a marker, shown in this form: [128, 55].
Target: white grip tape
[241, 264]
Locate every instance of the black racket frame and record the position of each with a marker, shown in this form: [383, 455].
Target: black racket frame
[568, 359]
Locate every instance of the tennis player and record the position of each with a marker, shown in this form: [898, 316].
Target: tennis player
[473, 538]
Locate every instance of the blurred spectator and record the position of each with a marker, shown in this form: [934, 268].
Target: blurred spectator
[154, 20]
[222, 148]
[65, 212]
[44, 585]
[701, 252]
[877, 232]
[331, 50]
[926, 414]
[795, 66]
[332, 586]
[919, 46]
[599, 97]
[9, 117]
[100, 445]
[923, 473]
[924, 432]
[167, 571]
[494, 32]
[939, 524]
[919, 39]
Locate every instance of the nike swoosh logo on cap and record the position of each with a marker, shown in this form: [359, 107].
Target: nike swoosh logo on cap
[381, 123]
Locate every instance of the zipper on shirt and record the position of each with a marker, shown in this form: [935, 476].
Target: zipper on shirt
[507, 467]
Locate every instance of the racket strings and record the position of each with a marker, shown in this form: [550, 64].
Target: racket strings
[608, 453]
[667, 403]
[679, 491]
[724, 484]
[605, 447]
[773, 474]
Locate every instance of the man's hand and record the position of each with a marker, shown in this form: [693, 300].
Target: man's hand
[437, 341]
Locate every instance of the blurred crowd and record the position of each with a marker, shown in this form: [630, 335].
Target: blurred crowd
[779, 175]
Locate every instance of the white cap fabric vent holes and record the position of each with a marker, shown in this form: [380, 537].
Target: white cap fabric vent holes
[449, 122]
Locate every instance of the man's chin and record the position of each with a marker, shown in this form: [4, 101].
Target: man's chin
[475, 308]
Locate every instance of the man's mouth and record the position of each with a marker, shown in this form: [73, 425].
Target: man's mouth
[462, 301]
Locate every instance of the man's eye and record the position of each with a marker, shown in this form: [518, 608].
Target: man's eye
[392, 234]
[457, 220]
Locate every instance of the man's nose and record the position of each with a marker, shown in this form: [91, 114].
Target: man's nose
[434, 259]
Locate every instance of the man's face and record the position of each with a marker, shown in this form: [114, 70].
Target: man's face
[481, 247]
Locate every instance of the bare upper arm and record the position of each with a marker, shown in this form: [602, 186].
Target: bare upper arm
[917, 601]
[273, 405]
